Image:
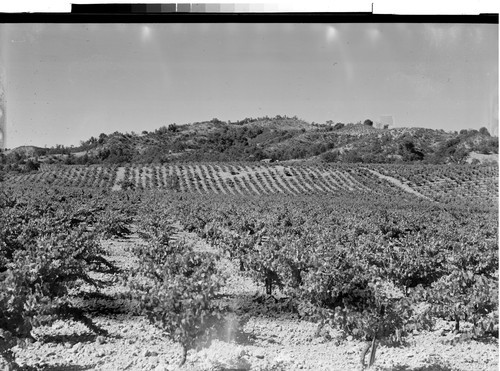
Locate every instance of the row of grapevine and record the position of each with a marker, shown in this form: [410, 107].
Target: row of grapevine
[373, 266]
[178, 284]
[442, 183]
[49, 242]
[360, 254]
[69, 176]
[446, 183]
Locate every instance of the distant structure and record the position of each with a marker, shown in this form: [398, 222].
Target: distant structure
[3, 117]
[385, 120]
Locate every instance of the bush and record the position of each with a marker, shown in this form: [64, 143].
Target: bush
[330, 156]
[173, 128]
[484, 131]
[352, 157]
[32, 165]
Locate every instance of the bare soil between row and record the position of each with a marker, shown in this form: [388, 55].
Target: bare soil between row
[261, 335]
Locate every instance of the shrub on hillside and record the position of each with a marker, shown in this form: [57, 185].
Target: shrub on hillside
[330, 156]
[31, 165]
[484, 131]
[352, 156]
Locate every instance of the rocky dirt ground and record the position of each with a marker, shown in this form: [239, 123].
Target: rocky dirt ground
[258, 337]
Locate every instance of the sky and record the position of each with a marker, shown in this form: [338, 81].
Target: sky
[64, 83]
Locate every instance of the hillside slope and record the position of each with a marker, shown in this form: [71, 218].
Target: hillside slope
[266, 139]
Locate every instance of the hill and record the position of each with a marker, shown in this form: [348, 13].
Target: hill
[282, 138]
[27, 151]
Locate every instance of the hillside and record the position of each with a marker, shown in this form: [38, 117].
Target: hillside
[27, 151]
[265, 139]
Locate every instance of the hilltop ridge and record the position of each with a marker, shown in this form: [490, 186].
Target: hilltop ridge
[280, 138]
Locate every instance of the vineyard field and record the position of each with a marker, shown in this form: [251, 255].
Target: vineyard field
[250, 266]
[441, 183]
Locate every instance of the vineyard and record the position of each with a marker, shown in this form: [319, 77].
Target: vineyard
[442, 183]
[239, 266]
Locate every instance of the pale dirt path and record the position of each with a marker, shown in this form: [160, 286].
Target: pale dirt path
[396, 182]
[120, 175]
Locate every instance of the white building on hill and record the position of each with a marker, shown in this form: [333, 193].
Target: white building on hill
[385, 120]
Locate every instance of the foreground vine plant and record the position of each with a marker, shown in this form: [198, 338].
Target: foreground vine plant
[178, 285]
[49, 243]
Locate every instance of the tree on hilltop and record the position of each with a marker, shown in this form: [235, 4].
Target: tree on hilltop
[484, 131]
